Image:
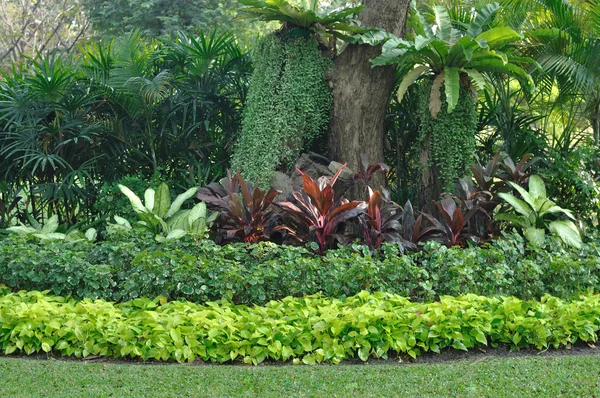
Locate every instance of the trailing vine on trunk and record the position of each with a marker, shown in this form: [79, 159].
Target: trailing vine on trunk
[450, 137]
[287, 107]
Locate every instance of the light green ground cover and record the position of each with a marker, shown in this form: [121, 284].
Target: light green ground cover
[552, 376]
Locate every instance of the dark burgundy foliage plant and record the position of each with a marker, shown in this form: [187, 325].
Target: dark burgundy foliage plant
[454, 220]
[367, 170]
[245, 214]
[518, 173]
[381, 223]
[314, 213]
[414, 230]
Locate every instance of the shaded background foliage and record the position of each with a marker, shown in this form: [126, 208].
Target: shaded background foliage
[161, 104]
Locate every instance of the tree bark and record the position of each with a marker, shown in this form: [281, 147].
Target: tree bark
[361, 94]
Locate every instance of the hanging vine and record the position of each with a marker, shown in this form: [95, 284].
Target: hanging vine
[452, 135]
[287, 106]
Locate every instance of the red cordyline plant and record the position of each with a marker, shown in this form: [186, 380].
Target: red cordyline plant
[382, 222]
[245, 213]
[315, 215]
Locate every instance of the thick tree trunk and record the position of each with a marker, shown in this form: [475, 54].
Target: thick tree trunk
[361, 94]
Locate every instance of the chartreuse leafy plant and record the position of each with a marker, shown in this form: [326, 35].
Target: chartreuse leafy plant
[310, 330]
[49, 231]
[533, 212]
[164, 218]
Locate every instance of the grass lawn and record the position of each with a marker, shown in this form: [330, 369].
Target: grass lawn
[552, 376]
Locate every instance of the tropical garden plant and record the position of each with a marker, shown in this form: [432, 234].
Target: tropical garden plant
[457, 60]
[533, 211]
[163, 218]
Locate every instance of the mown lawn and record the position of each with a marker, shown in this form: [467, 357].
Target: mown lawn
[553, 376]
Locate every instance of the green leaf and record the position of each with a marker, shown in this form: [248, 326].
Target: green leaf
[149, 199]
[513, 219]
[567, 232]
[518, 205]
[122, 221]
[537, 236]
[136, 203]
[531, 201]
[409, 79]
[498, 37]
[452, 87]
[443, 22]
[51, 225]
[476, 78]
[179, 201]
[91, 234]
[176, 234]
[197, 212]
[537, 188]
[162, 201]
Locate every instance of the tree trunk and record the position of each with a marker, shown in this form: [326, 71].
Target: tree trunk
[361, 94]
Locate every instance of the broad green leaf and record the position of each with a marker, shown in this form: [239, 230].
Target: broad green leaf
[513, 219]
[557, 209]
[526, 196]
[567, 232]
[409, 79]
[179, 220]
[91, 234]
[179, 201]
[149, 199]
[518, 205]
[22, 230]
[452, 87]
[443, 23]
[498, 66]
[176, 234]
[136, 203]
[535, 235]
[537, 188]
[198, 211]
[122, 221]
[50, 236]
[51, 225]
[162, 201]
[498, 37]
[483, 17]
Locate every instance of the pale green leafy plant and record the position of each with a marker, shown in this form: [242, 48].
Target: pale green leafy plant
[532, 213]
[158, 215]
[48, 231]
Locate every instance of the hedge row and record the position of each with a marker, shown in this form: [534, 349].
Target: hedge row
[312, 329]
[200, 271]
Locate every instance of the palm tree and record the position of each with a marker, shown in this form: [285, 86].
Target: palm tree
[564, 37]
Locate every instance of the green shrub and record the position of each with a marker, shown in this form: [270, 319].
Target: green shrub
[129, 266]
[311, 329]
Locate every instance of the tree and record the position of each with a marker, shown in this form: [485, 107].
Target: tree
[453, 59]
[163, 18]
[361, 94]
[27, 26]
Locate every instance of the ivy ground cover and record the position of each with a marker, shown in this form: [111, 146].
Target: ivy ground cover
[308, 330]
